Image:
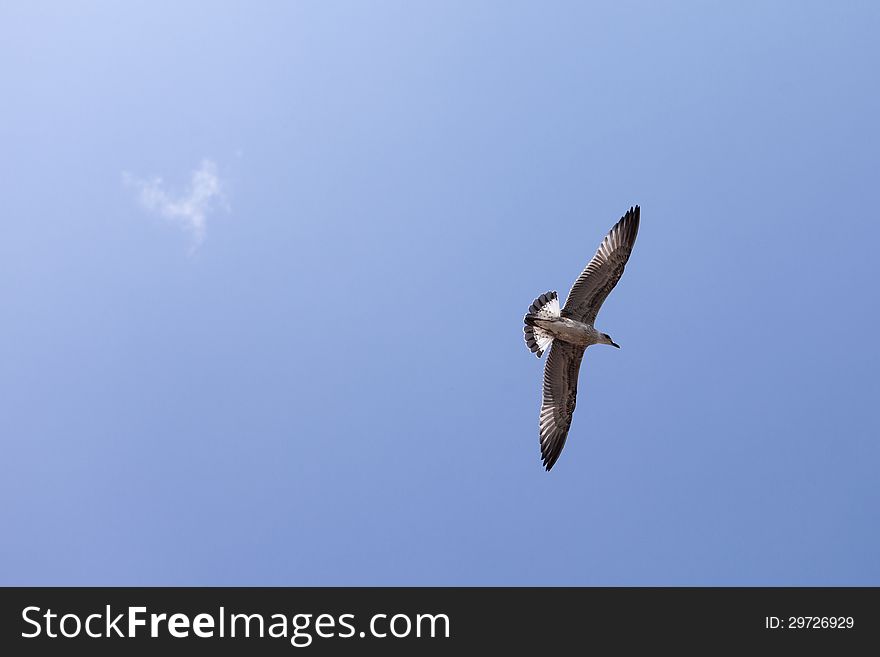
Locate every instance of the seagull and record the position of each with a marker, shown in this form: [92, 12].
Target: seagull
[570, 331]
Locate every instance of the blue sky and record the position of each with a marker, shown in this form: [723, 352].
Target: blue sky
[326, 383]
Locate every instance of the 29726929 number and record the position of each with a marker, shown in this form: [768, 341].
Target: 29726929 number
[809, 622]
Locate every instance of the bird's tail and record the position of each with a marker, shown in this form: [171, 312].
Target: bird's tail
[544, 307]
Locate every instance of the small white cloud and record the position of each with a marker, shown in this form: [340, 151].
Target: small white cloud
[189, 210]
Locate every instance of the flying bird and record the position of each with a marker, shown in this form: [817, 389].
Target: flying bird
[568, 332]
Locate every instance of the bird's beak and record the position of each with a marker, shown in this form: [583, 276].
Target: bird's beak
[614, 344]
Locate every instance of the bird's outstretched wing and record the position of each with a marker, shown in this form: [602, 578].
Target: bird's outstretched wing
[560, 395]
[603, 271]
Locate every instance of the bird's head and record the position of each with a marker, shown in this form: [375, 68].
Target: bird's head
[604, 338]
